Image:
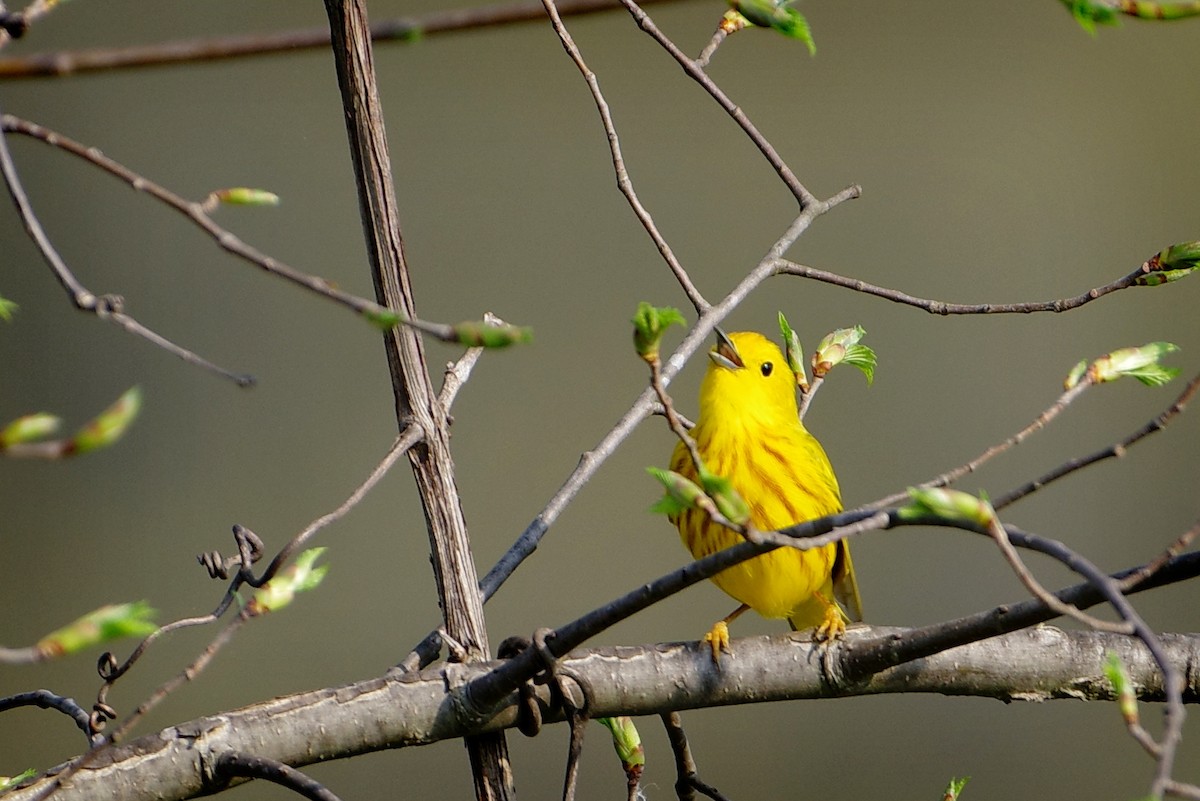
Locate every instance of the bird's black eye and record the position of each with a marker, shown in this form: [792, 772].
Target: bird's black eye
[767, 367]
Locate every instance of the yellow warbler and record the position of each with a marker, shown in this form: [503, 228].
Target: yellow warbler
[749, 431]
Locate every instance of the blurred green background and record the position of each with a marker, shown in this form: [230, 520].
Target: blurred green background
[1004, 155]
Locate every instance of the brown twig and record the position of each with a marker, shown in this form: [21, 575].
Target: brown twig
[196, 213]
[14, 25]
[400, 30]
[104, 307]
[624, 183]
[785, 267]
[696, 72]
[1114, 451]
[1040, 422]
[685, 765]
[235, 763]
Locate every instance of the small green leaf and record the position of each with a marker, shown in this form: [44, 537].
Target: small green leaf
[863, 358]
[29, 428]
[1171, 264]
[626, 741]
[1140, 363]
[947, 504]
[108, 426]
[244, 196]
[1076, 375]
[299, 576]
[100, 626]
[955, 787]
[482, 334]
[728, 500]
[1118, 677]
[1089, 14]
[649, 325]
[842, 346]
[7, 308]
[8, 782]
[793, 351]
[779, 16]
[382, 317]
[682, 494]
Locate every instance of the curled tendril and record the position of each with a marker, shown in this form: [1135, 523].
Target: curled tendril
[101, 714]
[106, 666]
[250, 550]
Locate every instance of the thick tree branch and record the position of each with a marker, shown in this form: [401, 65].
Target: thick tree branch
[414, 709]
[416, 402]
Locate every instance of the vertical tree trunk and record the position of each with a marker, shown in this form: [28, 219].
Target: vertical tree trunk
[416, 402]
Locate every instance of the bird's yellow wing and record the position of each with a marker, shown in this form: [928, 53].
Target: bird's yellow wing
[845, 585]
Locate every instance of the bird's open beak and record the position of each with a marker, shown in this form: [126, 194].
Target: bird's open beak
[725, 354]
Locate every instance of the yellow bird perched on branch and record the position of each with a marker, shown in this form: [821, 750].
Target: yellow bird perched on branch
[749, 431]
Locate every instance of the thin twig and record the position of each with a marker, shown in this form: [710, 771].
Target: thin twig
[236, 763]
[1040, 422]
[623, 181]
[1000, 535]
[105, 307]
[710, 49]
[401, 30]
[696, 72]
[1114, 451]
[785, 267]
[197, 214]
[685, 765]
[1174, 549]
[45, 699]
[14, 25]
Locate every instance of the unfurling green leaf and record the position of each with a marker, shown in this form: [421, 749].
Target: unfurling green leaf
[29, 428]
[1089, 14]
[728, 500]
[244, 196]
[482, 334]
[100, 626]
[955, 787]
[794, 351]
[108, 426]
[1118, 677]
[947, 504]
[649, 325]
[382, 317]
[7, 307]
[682, 494]
[1170, 264]
[842, 346]
[1140, 363]
[299, 576]
[778, 15]
[1076, 374]
[8, 782]
[626, 742]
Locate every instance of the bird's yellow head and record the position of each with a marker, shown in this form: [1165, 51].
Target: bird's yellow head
[748, 380]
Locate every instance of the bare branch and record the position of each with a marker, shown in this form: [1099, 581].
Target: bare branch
[785, 267]
[105, 307]
[197, 214]
[623, 181]
[236, 763]
[400, 30]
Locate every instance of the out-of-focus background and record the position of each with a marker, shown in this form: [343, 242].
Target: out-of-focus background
[1004, 155]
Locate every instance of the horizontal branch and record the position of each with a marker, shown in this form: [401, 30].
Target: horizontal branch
[400, 30]
[1035, 664]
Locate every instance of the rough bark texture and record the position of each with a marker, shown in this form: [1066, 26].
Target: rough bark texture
[416, 402]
